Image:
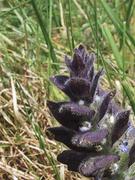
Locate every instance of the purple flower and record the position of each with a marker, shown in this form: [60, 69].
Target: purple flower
[120, 126]
[90, 138]
[87, 164]
[131, 130]
[83, 117]
[82, 63]
[59, 81]
[71, 115]
[94, 84]
[79, 141]
[103, 107]
[91, 166]
[124, 146]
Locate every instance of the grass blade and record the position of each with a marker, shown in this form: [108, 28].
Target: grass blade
[115, 20]
[45, 33]
[107, 34]
[130, 94]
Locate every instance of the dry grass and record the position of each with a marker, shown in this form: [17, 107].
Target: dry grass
[22, 111]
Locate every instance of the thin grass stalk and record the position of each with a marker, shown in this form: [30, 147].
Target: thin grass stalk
[130, 93]
[81, 10]
[62, 15]
[70, 23]
[68, 37]
[96, 30]
[45, 34]
[50, 17]
[107, 34]
[124, 60]
[129, 13]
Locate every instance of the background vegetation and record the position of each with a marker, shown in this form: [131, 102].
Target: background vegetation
[34, 36]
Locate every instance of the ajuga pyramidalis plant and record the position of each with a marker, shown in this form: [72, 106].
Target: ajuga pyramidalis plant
[94, 128]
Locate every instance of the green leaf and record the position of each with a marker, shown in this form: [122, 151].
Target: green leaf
[107, 34]
[130, 92]
[45, 33]
[116, 21]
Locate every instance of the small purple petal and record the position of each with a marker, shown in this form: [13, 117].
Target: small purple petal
[60, 134]
[88, 72]
[72, 159]
[77, 88]
[113, 108]
[70, 115]
[59, 81]
[131, 130]
[89, 139]
[91, 73]
[91, 165]
[69, 65]
[124, 147]
[104, 105]
[131, 155]
[65, 135]
[77, 64]
[89, 59]
[81, 65]
[68, 62]
[78, 110]
[95, 83]
[120, 126]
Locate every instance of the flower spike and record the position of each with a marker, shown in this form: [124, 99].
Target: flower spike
[93, 126]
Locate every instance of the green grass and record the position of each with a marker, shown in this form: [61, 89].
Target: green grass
[34, 36]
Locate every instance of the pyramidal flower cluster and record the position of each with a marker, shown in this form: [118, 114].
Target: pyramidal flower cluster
[91, 122]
